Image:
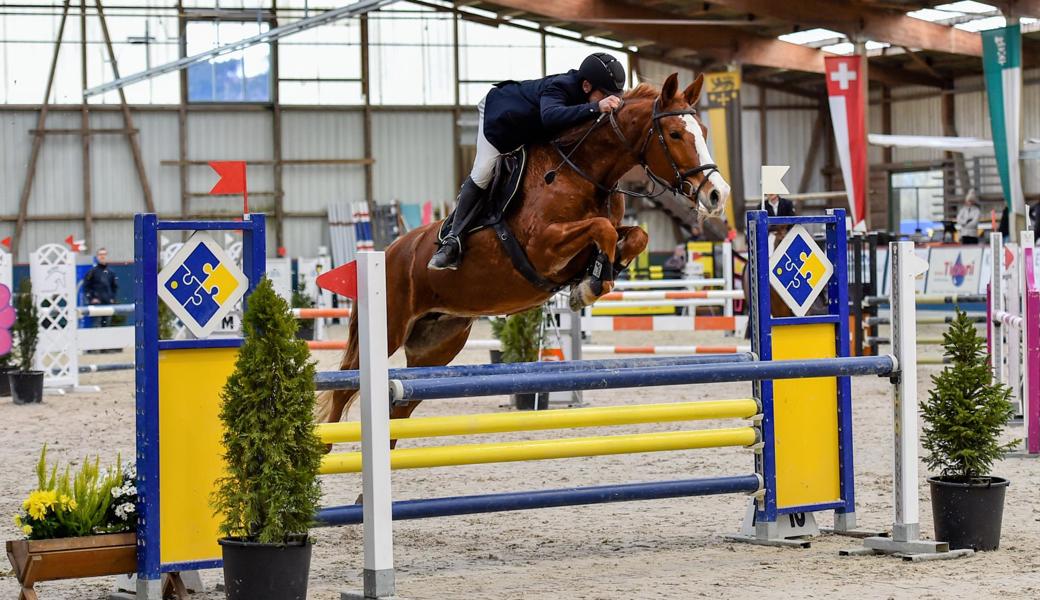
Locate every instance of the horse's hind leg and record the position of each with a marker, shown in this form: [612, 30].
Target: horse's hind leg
[434, 341]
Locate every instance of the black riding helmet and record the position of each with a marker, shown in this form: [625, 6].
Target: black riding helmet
[604, 72]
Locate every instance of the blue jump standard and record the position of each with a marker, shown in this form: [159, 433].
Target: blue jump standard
[532, 382]
[468, 505]
[348, 380]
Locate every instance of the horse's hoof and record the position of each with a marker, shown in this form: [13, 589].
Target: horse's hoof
[575, 300]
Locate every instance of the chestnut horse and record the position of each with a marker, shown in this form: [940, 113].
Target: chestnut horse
[563, 223]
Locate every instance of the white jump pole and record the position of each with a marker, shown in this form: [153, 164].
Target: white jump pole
[379, 580]
[996, 304]
[906, 529]
[727, 276]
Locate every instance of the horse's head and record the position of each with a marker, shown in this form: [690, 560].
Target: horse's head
[677, 152]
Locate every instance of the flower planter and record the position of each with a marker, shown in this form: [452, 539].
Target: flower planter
[5, 383]
[968, 515]
[71, 558]
[26, 386]
[253, 570]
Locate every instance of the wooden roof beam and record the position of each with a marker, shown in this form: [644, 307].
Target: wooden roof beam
[864, 21]
[728, 44]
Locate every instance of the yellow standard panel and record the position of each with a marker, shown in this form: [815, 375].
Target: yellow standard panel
[190, 382]
[706, 258]
[806, 420]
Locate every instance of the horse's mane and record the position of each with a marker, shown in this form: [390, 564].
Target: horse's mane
[643, 91]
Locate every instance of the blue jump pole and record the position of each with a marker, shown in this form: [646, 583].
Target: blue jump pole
[468, 505]
[349, 380]
[493, 385]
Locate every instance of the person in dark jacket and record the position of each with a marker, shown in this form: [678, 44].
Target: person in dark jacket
[100, 285]
[515, 113]
[779, 207]
[1034, 219]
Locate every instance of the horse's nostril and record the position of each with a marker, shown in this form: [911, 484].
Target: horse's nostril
[714, 196]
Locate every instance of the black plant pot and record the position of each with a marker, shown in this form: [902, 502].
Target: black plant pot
[496, 356]
[305, 329]
[253, 570]
[968, 515]
[531, 401]
[5, 383]
[26, 386]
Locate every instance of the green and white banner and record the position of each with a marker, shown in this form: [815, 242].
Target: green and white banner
[1002, 64]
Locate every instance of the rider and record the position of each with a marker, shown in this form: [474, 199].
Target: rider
[516, 113]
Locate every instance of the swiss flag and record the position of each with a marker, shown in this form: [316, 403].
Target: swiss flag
[846, 92]
[342, 280]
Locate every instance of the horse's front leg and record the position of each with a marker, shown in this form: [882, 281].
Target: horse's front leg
[632, 241]
[557, 245]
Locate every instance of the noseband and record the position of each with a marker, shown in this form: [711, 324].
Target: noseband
[679, 186]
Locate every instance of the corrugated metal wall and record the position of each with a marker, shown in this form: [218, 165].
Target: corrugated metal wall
[413, 151]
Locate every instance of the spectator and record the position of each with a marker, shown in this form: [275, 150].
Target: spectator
[1034, 218]
[779, 207]
[968, 219]
[676, 263]
[100, 285]
[1004, 228]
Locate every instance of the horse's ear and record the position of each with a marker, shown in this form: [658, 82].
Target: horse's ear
[670, 87]
[693, 92]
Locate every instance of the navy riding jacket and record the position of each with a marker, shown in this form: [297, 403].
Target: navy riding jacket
[524, 112]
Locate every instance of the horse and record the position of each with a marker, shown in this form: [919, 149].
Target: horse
[570, 214]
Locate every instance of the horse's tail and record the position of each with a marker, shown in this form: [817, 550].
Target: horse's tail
[331, 405]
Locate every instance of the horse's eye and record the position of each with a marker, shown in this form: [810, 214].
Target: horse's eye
[676, 135]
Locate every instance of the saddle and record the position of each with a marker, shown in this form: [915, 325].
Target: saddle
[498, 198]
[504, 193]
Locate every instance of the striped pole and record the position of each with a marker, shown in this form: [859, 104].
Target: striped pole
[105, 310]
[660, 284]
[674, 295]
[595, 349]
[321, 313]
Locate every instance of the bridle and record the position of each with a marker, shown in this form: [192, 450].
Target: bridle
[679, 186]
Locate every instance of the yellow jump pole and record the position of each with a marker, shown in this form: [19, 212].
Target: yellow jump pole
[475, 454]
[334, 433]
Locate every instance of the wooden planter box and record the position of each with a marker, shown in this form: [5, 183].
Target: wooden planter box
[71, 558]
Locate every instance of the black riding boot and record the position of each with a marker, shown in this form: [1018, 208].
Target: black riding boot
[449, 255]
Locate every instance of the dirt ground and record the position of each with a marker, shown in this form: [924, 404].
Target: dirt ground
[657, 549]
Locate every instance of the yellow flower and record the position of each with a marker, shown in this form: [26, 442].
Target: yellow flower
[67, 503]
[27, 529]
[39, 502]
[18, 520]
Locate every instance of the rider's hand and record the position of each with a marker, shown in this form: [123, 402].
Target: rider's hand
[609, 104]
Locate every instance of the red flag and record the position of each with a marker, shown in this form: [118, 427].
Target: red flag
[75, 245]
[232, 179]
[6, 242]
[1009, 256]
[342, 280]
[846, 91]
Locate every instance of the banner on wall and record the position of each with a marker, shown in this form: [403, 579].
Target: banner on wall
[846, 95]
[722, 107]
[1002, 65]
[954, 270]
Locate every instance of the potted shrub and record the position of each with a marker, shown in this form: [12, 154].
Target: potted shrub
[270, 492]
[76, 525]
[521, 336]
[300, 299]
[7, 317]
[964, 416]
[26, 384]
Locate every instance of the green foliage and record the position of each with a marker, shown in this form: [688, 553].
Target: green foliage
[271, 491]
[521, 335]
[166, 322]
[26, 328]
[72, 505]
[966, 412]
[299, 297]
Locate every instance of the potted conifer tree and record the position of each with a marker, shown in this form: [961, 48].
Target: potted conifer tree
[521, 338]
[270, 493]
[964, 416]
[26, 383]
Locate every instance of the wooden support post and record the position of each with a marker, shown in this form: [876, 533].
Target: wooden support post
[811, 155]
[276, 142]
[84, 117]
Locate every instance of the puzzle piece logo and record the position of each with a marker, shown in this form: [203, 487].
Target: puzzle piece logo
[799, 270]
[201, 284]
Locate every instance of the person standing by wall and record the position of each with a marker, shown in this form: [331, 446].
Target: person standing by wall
[100, 285]
[1034, 218]
[968, 219]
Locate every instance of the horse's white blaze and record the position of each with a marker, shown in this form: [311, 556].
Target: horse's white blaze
[704, 154]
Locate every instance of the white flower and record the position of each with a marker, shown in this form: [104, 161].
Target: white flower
[117, 492]
[129, 490]
[123, 511]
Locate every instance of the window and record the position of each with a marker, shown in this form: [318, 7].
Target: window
[242, 76]
[321, 65]
[411, 55]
